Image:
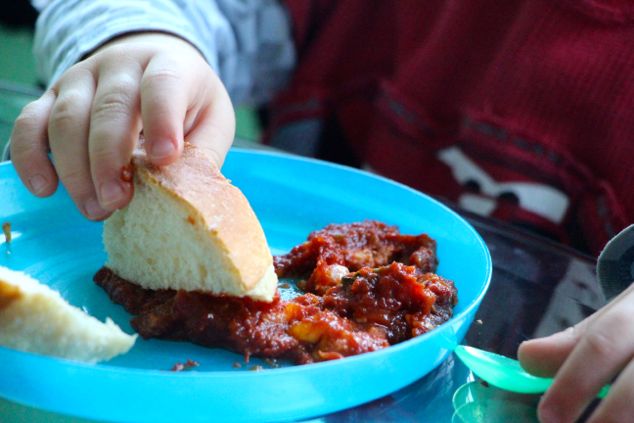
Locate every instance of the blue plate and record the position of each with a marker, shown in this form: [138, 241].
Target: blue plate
[292, 197]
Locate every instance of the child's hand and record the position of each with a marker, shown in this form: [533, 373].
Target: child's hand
[91, 119]
[583, 359]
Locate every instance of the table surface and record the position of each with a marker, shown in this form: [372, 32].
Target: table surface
[538, 287]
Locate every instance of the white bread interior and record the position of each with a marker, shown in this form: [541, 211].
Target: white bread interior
[188, 228]
[35, 318]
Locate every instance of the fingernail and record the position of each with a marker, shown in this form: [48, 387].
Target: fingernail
[93, 209]
[37, 183]
[110, 193]
[161, 149]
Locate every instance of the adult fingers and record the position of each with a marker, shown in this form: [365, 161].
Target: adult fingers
[618, 405]
[603, 350]
[544, 356]
[29, 146]
[114, 130]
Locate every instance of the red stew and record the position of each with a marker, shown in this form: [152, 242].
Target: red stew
[366, 287]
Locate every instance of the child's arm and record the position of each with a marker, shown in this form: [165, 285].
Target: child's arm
[92, 116]
[152, 66]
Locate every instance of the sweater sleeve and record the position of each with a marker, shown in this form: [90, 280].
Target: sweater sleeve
[247, 42]
[615, 266]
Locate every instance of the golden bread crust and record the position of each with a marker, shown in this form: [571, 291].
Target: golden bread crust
[220, 208]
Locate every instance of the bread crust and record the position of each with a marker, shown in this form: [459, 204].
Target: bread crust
[8, 294]
[35, 318]
[217, 210]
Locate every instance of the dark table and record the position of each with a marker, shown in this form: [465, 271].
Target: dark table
[538, 287]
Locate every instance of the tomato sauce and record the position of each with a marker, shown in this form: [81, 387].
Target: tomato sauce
[366, 286]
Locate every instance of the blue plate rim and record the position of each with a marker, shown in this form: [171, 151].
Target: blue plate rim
[297, 368]
[449, 329]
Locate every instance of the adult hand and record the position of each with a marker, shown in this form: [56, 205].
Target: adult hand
[91, 118]
[583, 359]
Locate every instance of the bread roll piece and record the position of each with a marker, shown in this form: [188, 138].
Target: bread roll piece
[188, 228]
[35, 318]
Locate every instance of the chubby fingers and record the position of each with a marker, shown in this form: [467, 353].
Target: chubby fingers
[165, 100]
[29, 146]
[114, 130]
[92, 118]
[184, 100]
[214, 127]
[68, 128]
[90, 121]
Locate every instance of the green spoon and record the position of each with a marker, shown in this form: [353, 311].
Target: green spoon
[505, 373]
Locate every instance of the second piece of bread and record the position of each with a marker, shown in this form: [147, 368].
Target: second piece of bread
[35, 318]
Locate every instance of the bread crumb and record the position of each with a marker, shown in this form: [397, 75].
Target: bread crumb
[6, 228]
[236, 365]
[188, 365]
[256, 368]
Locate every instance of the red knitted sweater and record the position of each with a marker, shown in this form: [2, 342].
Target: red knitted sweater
[523, 110]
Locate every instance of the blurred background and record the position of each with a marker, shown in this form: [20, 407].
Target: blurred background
[19, 81]
[18, 76]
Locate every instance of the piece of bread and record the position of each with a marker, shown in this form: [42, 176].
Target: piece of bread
[188, 228]
[35, 318]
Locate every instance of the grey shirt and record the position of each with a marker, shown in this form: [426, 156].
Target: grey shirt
[247, 42]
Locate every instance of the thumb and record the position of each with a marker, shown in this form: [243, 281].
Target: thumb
[544, 356]
[214, 129]
[179, 105]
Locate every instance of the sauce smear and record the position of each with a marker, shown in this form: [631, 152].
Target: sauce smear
[366, 287]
